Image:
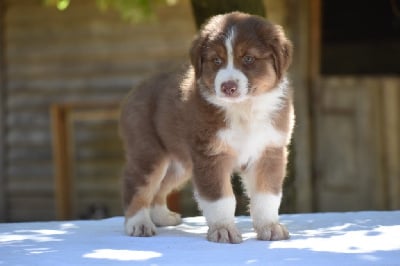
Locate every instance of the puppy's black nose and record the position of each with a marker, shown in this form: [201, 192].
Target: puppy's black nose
[230, 88]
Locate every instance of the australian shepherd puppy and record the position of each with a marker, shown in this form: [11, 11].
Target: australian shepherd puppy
[229, 111]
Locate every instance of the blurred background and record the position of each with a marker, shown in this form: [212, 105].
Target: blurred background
[65, 66]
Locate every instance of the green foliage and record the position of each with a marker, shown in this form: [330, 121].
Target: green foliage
[60, 4]
[131, 10]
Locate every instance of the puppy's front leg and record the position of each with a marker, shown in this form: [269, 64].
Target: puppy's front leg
[264, 185]
[215, 197]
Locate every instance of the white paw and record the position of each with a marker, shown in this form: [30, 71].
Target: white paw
[224, 234]
[140, 224]
[272, 232]
[162, 216]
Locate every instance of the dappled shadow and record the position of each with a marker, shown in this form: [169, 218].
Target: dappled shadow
[196, 227]
[192, 227]
[40, 234]
[316, 239]
[369, 232]
[24, 241]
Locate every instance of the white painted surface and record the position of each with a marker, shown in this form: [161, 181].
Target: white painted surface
[355, 238]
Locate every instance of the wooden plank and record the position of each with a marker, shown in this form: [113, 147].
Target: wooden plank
[36, 207]
[108, 149]
[391, 131]
[39, 101]
[21, 187]
[30, 170]
[93, 82]
[350, 145]
[338, 165]
[3, 198]
[74, 69]
[92, 24]
[18, 153]
[84, 31]
[299, 27]
[315, 39]
[112, 57]
[34, 119]
[153, 46]
[19, 136]
[335, 154]
[368, 127]
[18, 100]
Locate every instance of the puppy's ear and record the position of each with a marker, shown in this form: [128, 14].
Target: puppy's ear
[282, 51]
[196, 54]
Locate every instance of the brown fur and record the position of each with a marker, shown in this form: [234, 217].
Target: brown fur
[167, 120]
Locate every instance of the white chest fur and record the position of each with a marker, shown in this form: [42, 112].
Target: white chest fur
[250, 127]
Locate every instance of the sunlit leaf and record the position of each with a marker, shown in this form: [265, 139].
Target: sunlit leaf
[62, 4]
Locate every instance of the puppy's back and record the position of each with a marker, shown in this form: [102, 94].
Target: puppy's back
[152, 112]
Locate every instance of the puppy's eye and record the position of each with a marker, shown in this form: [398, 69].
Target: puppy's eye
[217, 61]
[248, 59]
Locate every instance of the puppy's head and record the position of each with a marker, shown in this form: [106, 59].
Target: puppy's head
[236, 56]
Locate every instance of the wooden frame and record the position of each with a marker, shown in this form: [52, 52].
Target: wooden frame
[3, 180]
[61, 115]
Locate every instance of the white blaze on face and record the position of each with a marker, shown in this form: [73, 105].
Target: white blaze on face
[230, 73]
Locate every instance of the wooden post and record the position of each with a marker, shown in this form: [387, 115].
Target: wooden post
[391, 120]
[299, 24]
[3, 181]
[62, 169]
[315, 23]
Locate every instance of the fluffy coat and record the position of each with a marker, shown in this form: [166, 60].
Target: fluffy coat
[229, 111]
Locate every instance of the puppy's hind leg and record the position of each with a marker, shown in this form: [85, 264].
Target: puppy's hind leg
[139, 188]
[175, 177]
